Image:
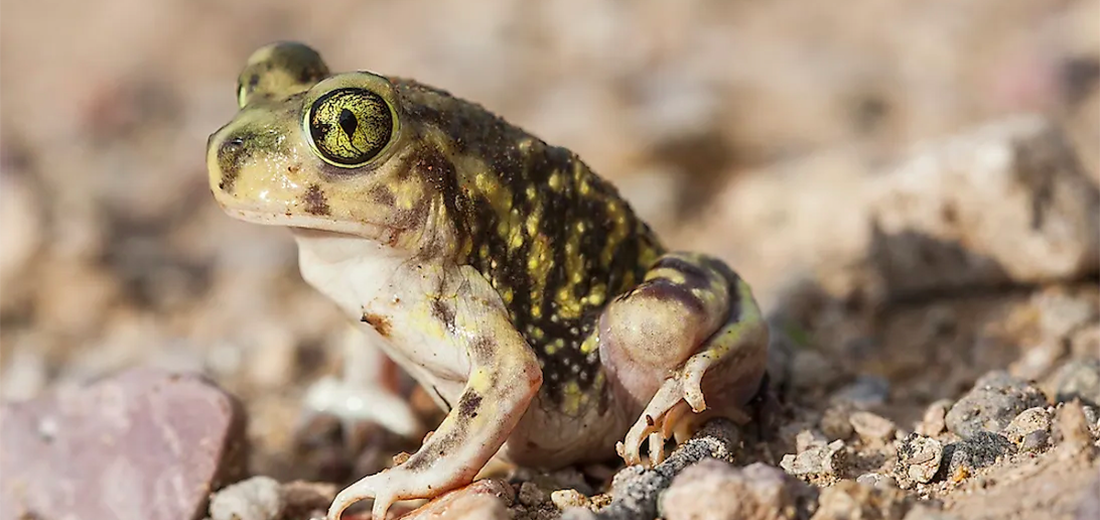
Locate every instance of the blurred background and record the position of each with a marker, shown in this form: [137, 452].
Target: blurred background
[739, 128]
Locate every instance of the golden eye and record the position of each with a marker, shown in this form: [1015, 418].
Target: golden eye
[350, 126]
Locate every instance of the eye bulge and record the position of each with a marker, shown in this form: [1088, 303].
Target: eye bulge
[350, 126]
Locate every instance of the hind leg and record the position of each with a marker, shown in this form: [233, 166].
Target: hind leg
[689, 343]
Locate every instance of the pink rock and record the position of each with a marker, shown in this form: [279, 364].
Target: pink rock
[145, 445]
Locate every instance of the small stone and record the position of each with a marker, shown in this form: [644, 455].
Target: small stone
[486, 499]
[1035, 441]
[1037, 361]
[836, 422]
[1077, 379]
[877, 480]
[258, 498]
[821, 461]
[872, 428]
[566, 498]
[1073, 429]
[979, 451]
[1062, 313]
[530, 494]
[807, 439]
[715, 490]
[865, 392]
[934, 420]
[919, 458]
[164, 441]
[993, 402]
[1029, 421]
[303, 499]
[962, 212]
[849, 499]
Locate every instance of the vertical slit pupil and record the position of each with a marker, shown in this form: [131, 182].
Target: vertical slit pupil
[348, 122]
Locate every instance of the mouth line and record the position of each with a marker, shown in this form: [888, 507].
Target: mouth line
[311, 225]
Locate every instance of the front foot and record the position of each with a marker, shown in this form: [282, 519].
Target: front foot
[383, 487]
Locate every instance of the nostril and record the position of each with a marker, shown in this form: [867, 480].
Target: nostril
[235, 142]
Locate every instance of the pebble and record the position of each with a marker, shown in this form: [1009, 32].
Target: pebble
[994, 401]
[850, 500]
[1029, 421]
[143, 444]
[934, 420]
[566, 498]
[258, 498]
[873, 429]
[979, 451]
[715, 490]
[865, 392]
[877, 480]
[1060, 314]
[807, 439]
[919, 459]
[836, 422]
[1037, 361]
[1072, 429]
[1077, 379]
[530, 494]
[816, 461]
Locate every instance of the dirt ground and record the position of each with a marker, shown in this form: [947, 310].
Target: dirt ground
[826, 150]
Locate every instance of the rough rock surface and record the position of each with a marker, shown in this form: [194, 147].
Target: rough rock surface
[849, 499]
[715, 490]
[1008, 202]
[991, 405]
[145, 444]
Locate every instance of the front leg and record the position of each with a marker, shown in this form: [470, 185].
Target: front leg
[504, 377]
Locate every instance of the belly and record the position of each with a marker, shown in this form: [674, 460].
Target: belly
[550, 436]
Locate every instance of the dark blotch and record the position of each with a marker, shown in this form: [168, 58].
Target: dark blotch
[316, 203]
[467, 405]
[444, 313]
[231, 155]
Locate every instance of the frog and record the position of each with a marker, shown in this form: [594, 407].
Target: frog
[513, 283]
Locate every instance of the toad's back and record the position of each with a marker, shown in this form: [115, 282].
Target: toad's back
[555, 240]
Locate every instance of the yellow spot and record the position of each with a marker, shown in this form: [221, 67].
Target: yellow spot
[597, 294]
[555, 181]
[590, 343]
[533, 222]
[507, 295]
[406, 194]
[479, 380]
[554, 346]
[531, 192]
[573, 398]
